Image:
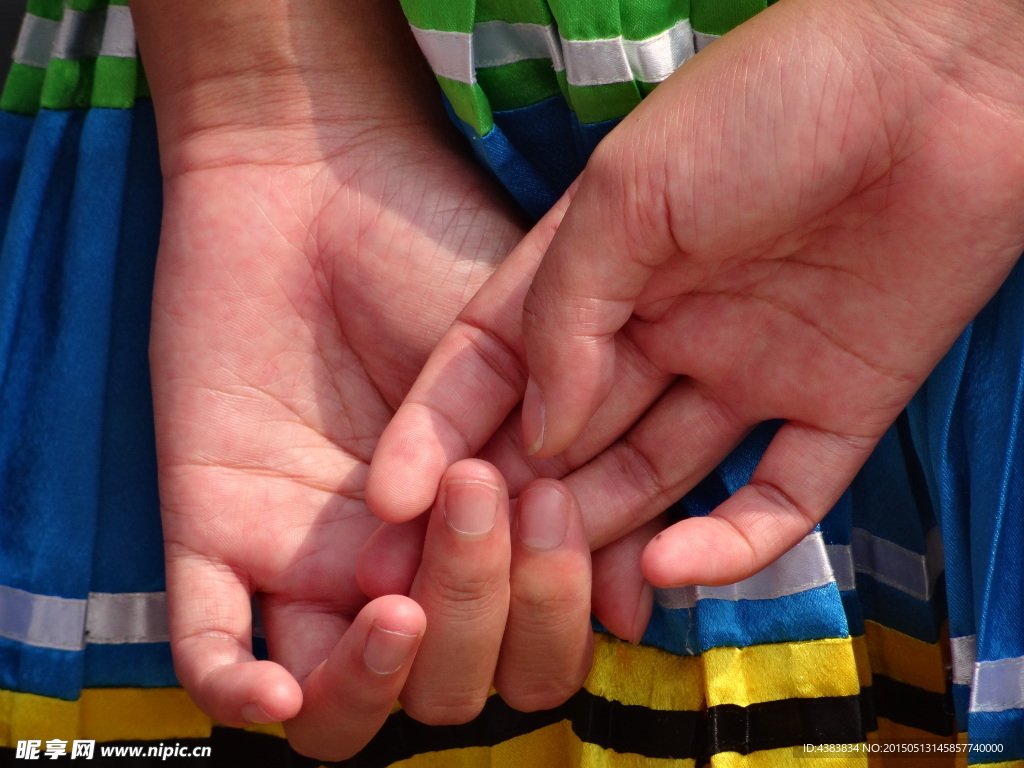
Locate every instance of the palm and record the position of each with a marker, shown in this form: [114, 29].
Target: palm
[837, 290]
[294, 305]
[817, 226]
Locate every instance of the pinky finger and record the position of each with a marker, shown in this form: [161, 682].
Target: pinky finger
[350, 695]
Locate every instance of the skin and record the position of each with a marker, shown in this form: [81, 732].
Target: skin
[297, 211]
[319, 234]
[796, 225]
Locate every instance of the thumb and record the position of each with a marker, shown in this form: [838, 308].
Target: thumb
[209, 610]
[612, 238]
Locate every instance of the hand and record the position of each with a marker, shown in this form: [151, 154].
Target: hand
[798, 224]
[273, 375]
[312, 252]
[478, 362]
[468, 583]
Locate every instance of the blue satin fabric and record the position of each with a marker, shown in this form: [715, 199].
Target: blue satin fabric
[80, 195]
[80, 198]
[535, 152]
[955, 459]
[968, 424]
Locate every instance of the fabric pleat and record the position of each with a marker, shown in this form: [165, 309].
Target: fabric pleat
[76, 451]
[900, 618]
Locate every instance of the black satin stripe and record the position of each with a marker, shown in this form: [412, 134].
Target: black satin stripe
[914, 707]
[787, 723]
[625, 728]
[611, 725]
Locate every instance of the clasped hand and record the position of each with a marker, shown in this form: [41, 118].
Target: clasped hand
[789, 228]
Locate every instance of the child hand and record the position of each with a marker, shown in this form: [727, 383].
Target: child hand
[278, 356]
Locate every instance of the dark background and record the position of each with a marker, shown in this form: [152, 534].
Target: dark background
[10, 20]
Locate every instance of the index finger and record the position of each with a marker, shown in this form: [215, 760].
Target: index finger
[479, 361]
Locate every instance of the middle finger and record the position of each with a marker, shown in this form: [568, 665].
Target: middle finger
[463, 587]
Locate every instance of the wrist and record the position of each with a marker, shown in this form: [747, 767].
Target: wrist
[292, 76]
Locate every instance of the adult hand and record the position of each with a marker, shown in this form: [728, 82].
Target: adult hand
[319, 234]
[479, 362]
[797, 224]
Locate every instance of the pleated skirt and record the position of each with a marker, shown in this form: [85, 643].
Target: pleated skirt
[900, 619]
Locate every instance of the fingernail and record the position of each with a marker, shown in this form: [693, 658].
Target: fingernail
[533, 418]
[254, 713]
[470, 506]
[542, 517]
[387, 651]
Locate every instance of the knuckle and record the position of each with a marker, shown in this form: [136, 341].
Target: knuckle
[542, 613]
[499, 356]
[467, 598]
[641, 471]
[550, 673]
[631, 185]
